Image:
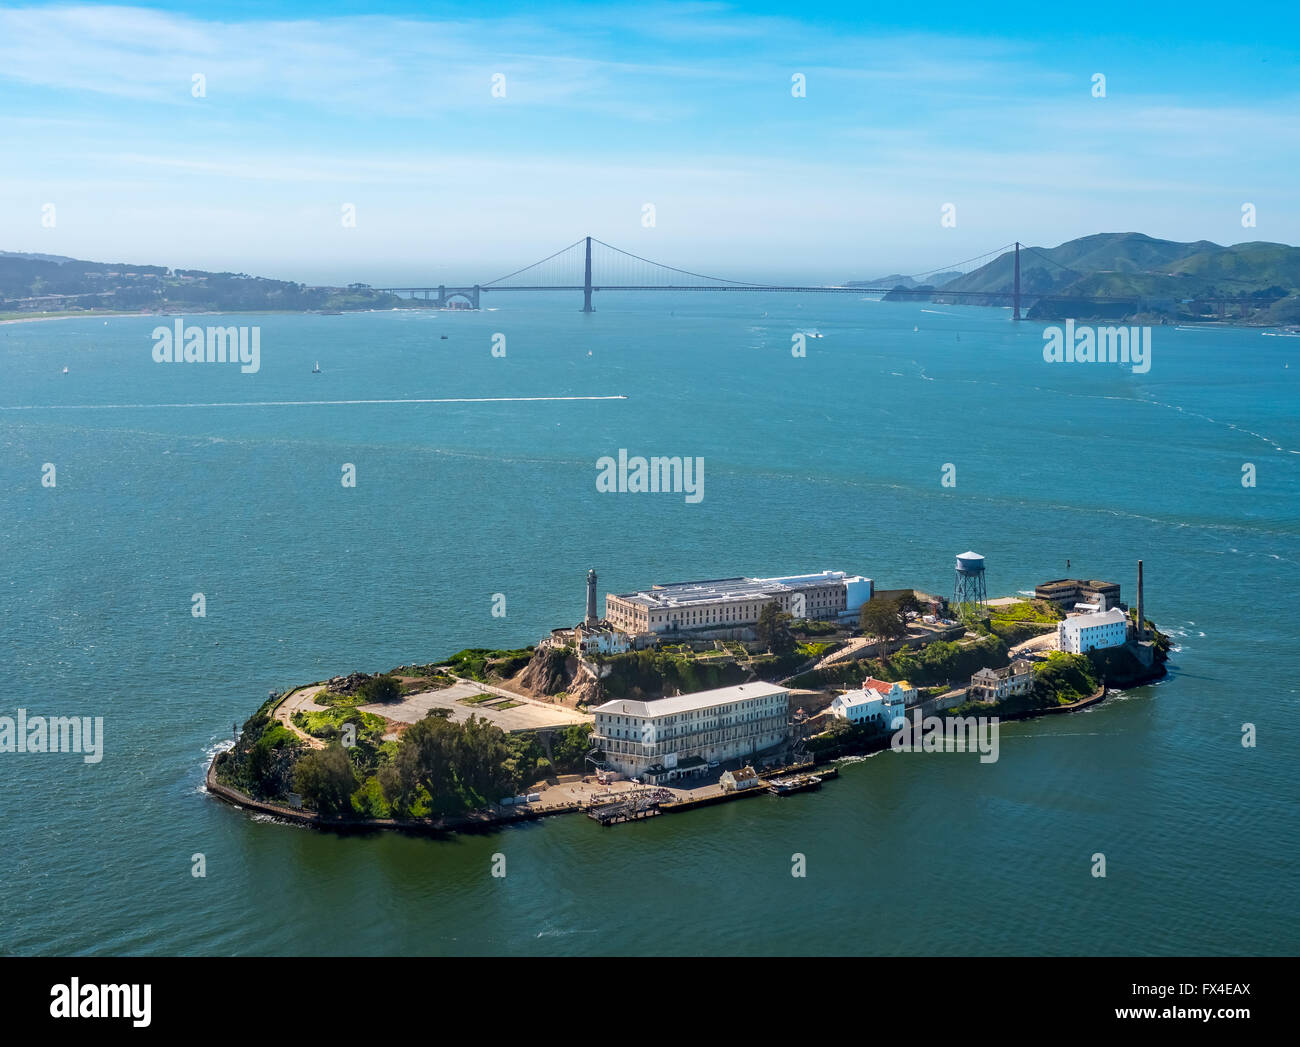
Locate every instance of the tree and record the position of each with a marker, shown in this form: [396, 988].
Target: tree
[883, 618]
[773, 629]
[425, 758]
[326, 781]
[382, 689]
[570, 746]
[908, 604]
[481, 758]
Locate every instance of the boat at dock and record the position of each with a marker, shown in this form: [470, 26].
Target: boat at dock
[795, 783]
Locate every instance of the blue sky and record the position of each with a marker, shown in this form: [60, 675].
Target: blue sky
[609, 107]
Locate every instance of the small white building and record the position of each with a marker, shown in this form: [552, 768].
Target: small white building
[1081, 633]
[875, 702]
[593, 639]
[739, 780]
[603, 640]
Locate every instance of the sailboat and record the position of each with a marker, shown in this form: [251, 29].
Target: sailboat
[316, 369]
[65, 370]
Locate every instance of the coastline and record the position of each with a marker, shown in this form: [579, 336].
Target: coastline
[86, 314]
[486, 820]
[89, 314]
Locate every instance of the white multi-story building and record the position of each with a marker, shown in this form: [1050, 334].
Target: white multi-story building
[875, 702]
[732, 603]
[993, 685]
[1091, 632]
[669, 738]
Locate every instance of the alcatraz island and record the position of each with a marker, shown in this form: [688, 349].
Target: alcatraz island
[683, 695]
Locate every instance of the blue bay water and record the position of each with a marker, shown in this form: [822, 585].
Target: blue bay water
[830, 461]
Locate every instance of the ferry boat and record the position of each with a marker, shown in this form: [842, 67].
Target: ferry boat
[795, 783]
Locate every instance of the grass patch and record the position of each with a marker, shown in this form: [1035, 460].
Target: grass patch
[328, 723]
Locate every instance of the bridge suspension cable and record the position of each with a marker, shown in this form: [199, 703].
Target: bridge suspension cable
[1053, 261]
[534, 265]
[958, 265]
[674, 269]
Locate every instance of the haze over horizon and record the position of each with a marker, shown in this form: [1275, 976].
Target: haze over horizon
[684, 106]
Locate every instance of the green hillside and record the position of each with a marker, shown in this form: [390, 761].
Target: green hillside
[49, 283]
[1156, 280]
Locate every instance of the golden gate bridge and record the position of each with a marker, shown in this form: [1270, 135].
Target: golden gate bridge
[589, 265]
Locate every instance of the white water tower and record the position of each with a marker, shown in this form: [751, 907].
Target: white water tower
[969, 594]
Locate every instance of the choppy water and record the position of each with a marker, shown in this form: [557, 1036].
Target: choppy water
[833, 461]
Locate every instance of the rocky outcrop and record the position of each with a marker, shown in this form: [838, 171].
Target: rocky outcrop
[584, 689]
[349, 684]
[550, 671]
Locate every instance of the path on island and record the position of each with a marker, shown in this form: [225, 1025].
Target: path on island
[1035, 645]
[302, 699]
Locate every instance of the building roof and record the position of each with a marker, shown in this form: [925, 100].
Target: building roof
[687, 594]
[869, 694]
[1078, 583]
[688, 702]
[1088, 621]
[883, 686]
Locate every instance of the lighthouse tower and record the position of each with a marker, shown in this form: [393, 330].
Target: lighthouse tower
[592, 619]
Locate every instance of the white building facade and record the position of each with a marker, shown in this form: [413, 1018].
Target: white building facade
[876, 702]
[1081, 633]
[669, 738]
[731, 603]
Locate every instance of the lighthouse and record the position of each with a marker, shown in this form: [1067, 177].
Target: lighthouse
[592, 619]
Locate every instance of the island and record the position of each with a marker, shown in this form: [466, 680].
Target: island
[679, 696]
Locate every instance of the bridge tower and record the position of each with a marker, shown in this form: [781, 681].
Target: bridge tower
[1015, 315]
[586, 290]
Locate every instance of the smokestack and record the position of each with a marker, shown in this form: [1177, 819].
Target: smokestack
[1141, 613]
[591, 597]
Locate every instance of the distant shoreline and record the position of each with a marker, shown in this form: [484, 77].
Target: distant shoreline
[14, 318]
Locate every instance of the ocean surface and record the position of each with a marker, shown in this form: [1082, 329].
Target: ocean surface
[831, 461]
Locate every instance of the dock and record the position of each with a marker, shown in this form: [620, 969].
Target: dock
[629, 807]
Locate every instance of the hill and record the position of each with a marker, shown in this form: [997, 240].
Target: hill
[898, 280]
[36, 282]
[1154, 280]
